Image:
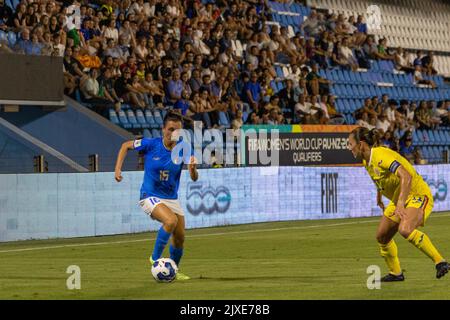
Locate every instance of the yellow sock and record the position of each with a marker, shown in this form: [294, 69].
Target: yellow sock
[390, 254]
[422, 242]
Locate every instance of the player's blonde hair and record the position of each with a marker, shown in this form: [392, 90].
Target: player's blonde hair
[371, 137]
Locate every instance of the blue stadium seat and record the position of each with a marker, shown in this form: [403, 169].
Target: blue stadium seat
[352, 77]
[279, 72]
[141, 119]
[441, 137]
[12, 39]
[150, 119]
[123, 120]
[3, 36]
[447, 137]
[147, 134]
[346, 106]
[420, 139]
[158, 118]
[156, 133]
[132, 119]
[224, 120]
[113, 117]
[437, 154]
[415, 138]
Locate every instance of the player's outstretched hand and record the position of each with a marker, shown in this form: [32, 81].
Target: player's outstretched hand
[192, 163]
[118, 176]
[381, 204]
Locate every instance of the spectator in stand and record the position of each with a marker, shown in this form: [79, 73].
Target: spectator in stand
[418, 78]
[183, 104]
[361, 28]
[312, 26]
[388, 140]
[174, 87]
[428, 64]
[401, 63]
[252, 90]
[443, 112]
[362, 119]
[335, 116]
[371, 50]
[345, 56]
[422, 116]
[125, 91]
[408, 151]
[6, 16]
[418, 59]
[106, 82]
[92, 93]
[382, 50]
[383, 123]
[368, 108]
[316, 84]
[287, 97]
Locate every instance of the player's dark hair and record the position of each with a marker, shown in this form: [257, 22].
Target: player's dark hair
[171, 116]
[371, 137]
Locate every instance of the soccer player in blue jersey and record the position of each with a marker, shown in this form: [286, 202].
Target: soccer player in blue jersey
[164, 160]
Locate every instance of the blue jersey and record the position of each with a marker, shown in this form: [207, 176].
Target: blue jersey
[161, 174]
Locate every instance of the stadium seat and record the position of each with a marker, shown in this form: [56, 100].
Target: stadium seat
[123, 120]
[141, 119]
[113, 117]
[150, 119]
[3, 36]
[147, 134]
[156, 133]
[132, 119]
[224, 120]
[12, 38]
[158, 118]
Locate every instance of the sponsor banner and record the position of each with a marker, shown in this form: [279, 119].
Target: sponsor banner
[297, 149]
[90, 204]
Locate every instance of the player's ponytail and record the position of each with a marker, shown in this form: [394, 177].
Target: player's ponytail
[371, 137]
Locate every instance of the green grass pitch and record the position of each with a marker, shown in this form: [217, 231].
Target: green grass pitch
[324, 259]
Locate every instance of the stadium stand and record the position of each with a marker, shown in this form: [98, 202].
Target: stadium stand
[253, 62]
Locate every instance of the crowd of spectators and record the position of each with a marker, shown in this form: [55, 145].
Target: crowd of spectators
[183, 55]
[397, 121]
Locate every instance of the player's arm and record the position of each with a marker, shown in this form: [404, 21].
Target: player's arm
[380, 200]
[128, 145]
[405, 187]
[193, 168]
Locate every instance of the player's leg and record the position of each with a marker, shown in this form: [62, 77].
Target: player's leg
[169, 222]
[177, 245]
[388, 248]
[408, 229]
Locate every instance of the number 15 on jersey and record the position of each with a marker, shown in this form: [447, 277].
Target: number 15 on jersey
[164, 175]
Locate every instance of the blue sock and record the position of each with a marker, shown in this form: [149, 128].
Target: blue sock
[161, 241]
[176, 254]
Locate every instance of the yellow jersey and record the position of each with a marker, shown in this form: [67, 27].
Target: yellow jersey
[383, 165]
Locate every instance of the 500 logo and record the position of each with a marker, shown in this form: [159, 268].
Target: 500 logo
[207, 200]
[438, 188]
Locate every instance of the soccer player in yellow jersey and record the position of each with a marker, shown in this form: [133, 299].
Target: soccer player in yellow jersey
[410, 204]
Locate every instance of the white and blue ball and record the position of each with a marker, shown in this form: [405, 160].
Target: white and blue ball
[164, 270]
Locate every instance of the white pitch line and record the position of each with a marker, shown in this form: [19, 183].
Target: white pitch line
[199, 235]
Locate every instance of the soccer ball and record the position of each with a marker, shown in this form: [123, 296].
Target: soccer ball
[164, 270]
